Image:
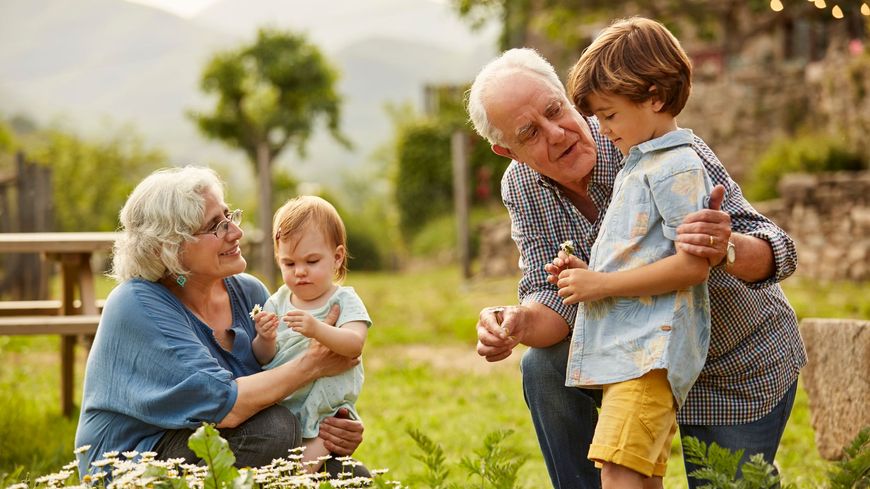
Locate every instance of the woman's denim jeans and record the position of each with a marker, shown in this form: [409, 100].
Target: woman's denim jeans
[267, 435]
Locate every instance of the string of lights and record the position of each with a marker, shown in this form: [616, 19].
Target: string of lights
[836, 11]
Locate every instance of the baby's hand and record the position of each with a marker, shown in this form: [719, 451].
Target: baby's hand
[266, 324]
[302, 322]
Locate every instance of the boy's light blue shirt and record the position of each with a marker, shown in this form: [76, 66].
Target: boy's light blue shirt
[154, 366]
[622, 338]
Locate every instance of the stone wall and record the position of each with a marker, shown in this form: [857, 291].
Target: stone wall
[836, 381]
[828, 216]
[499, 256]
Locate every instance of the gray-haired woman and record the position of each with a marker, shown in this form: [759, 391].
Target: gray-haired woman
[173, 349]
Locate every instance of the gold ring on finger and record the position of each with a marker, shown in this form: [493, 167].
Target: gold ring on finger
[712, 241]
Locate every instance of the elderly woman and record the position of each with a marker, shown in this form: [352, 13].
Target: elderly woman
[173, 349]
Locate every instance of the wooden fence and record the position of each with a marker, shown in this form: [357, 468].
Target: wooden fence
[26, 205]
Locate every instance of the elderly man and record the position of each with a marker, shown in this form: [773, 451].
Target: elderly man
[558, 188]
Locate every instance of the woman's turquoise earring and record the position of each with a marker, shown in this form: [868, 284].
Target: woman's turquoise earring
[181, 280]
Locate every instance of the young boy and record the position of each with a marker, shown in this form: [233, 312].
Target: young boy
[644, 327]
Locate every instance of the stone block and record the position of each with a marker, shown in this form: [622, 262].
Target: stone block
[837, 380]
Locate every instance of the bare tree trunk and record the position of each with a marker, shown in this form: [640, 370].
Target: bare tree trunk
[264, 187]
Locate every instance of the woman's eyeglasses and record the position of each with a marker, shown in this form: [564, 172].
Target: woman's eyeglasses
[220, 229]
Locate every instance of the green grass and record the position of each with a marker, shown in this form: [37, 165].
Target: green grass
[421, 372]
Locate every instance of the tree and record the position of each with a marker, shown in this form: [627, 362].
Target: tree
[730, 24]
[270, 95]
[91, 180]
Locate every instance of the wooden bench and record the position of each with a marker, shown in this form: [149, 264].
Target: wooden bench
[69, 327]
[62, 325]
[40, 308]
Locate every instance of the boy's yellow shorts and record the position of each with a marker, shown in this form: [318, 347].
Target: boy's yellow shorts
[636, 424]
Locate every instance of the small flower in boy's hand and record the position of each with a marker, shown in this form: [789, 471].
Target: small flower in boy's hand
[256, 310]
[567, 247]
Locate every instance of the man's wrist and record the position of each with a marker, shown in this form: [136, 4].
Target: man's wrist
[727, 262]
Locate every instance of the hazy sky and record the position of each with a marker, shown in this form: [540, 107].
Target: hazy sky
[187, 8]
[184, 8]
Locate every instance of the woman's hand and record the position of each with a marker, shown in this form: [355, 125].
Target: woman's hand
[323, 362]
[340, 435]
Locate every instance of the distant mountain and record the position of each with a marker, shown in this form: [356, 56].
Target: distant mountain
[92, 59]
[335, 24]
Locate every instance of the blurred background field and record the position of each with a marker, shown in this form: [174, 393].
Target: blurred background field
[421, 372]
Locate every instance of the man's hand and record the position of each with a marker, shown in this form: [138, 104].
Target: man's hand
[705, 233]
[340, 434]
[499, 330]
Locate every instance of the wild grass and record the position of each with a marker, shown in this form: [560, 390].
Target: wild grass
[421, 373]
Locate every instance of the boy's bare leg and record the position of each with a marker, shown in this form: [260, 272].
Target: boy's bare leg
[653, 482]
[615, 476]
[314, 449]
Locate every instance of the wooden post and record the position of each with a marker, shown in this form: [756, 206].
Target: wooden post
[264, 183]
[31, 270]
[459, 154]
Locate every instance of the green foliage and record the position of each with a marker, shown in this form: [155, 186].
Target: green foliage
[270, 93]
[494, 466]
[565, 24]
[437, 238]
[424, 180]
[365, 248]
[92, 179]
[853, 471]
[434, 461]
[28, 416]
[812, 298]
[810, 153]
[719, 467]
[6, 139]
[424, 185]
[208, 445]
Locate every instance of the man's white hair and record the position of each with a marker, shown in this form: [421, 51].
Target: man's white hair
[524, 60]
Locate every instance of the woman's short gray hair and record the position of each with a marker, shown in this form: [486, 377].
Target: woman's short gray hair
[511, 61]
[162, 212]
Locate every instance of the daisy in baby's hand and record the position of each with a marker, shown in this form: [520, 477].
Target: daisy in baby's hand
[256, 310]
[567, 247]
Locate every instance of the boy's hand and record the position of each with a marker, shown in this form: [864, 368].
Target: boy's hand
[266, 324]
[580, 285]
[561, 263]
[302, 322]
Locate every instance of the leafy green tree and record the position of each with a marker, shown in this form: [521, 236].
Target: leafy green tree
[92, 179]
[270, 95]
[730, 23]
[6, 139]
